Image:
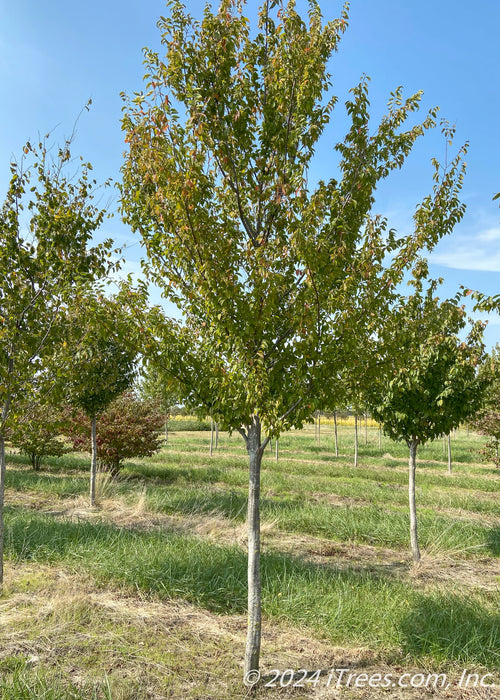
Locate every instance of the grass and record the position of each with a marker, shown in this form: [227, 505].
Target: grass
[367, 607]
[336, 569]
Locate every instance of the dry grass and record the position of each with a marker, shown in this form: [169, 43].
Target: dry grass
[55, 620]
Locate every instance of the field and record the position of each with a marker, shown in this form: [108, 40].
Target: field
[145, 596]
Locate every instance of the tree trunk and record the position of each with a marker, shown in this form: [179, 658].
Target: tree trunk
[355, 440]
[413, 508]
[166, 426]
[255, 451]
[2, 492]
[216, 435]
[211, 436]
[93, 461]
[3, 419]
[449, 453]
[336, 434]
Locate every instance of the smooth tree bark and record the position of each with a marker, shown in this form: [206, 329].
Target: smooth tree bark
[413, 444]
[336, 434]
[2, 495]
[449, 453]
[93, 460]
[276, 445]
[355, 440]
[255, 450]
[3, 465]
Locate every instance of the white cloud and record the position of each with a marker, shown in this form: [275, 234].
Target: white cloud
[477, 250]
[470, 257]
[491, 234]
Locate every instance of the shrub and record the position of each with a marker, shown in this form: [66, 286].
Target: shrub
[38, 434]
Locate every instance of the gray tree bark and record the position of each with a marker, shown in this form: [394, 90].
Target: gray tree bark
[449, 453]
[2, 492]
[255, 451]
[413, 507]
[211, 436]
[93, 461]
[3, 466]
[336, 434]
[355, 440]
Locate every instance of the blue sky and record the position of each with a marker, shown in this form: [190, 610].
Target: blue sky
[55, 56]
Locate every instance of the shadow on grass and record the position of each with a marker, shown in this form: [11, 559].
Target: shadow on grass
[493, 540]
[23, 480]
[449, 628]
[162, 473]
[66, 462]
[178, 565]
[345, 605]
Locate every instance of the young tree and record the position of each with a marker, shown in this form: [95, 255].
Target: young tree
[160, 388]
[38, 432]
[129, 427]
[46, 224]
[102, 364]
[429, 384]
[487, 420]
[276, 279]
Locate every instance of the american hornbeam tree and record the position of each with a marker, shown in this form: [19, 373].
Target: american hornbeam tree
[428, 381]
[277, 279]
[46, 225]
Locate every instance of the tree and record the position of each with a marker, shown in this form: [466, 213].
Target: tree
[127, 428]
[277, 280]
[102, 364]
[160, 388]
[487, 420]
[430, 383]
[39, 433]
[46, 224]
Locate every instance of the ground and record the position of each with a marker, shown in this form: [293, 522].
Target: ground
[144, 596]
